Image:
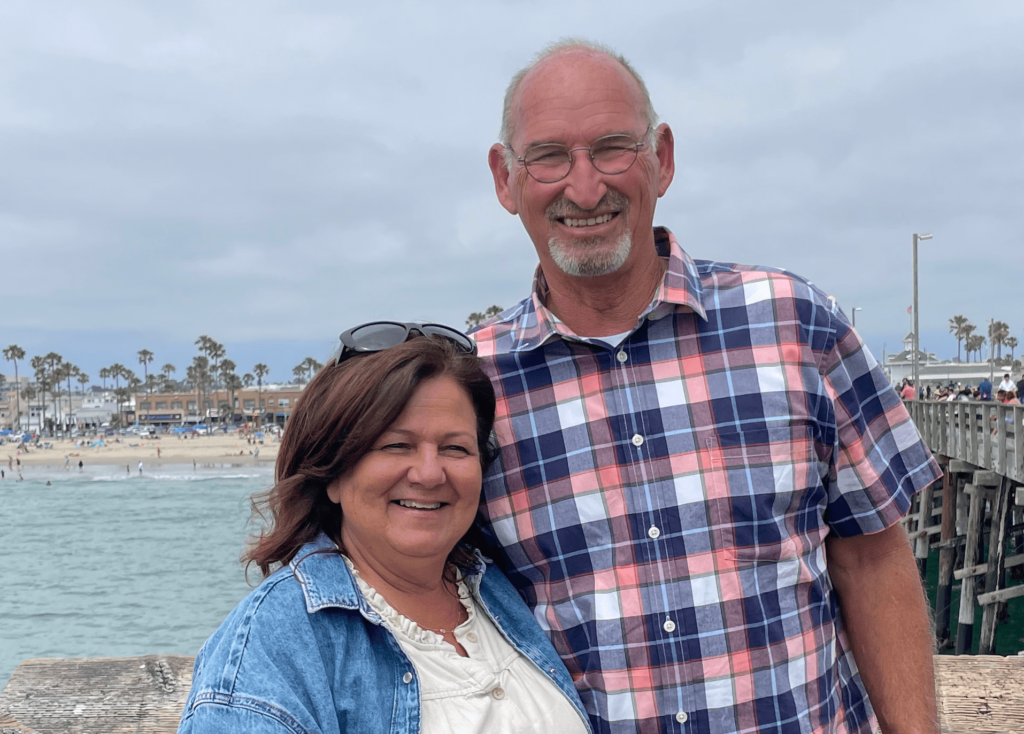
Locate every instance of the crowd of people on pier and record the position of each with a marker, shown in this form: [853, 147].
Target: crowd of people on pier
[1008, 392]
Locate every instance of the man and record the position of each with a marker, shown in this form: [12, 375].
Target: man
[682, 441]
[1020, 388]
[984, 390]
[1007, 384]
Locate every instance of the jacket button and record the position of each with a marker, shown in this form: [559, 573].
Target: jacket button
[638, 440]
[498, 693]
[407, 678]
[669, 626]
[622, 356]
[654, 532]
[471, 636]
[681, 717]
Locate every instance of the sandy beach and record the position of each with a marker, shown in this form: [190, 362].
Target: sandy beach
[214, 449]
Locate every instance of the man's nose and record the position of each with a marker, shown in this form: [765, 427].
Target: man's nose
[426, 469]
[585, 185]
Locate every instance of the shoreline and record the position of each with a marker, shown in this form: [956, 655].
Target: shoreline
[162, 451]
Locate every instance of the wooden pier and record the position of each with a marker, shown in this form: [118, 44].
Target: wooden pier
[975, 518]
[976, 694]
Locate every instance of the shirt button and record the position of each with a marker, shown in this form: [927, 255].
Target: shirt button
[407, 678]
[471, 636]
[498, 693]
[622, 356]
[638, 440]
[654, 532]
[681, 717]
[669, 626]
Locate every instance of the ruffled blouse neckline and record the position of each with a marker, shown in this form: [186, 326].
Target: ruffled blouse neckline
[401, 624]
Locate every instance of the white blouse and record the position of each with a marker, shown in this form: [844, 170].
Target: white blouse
[496, 690]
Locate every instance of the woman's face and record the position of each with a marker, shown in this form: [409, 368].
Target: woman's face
[415, 494]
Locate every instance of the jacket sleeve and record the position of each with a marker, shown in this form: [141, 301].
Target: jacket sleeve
[240, 717]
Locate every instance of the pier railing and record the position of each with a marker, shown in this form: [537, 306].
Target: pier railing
[988, 435]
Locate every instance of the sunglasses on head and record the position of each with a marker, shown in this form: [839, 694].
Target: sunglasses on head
[376, 336]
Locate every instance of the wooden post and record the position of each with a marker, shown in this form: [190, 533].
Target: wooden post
[995, 578]
[947, 556]
[924, 519]
[965, 626]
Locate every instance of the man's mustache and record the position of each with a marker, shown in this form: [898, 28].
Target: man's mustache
[563, 207]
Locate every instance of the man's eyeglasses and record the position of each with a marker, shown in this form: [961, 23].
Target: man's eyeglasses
[376, 336]
[551, 162]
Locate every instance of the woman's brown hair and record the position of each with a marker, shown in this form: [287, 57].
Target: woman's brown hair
[342, 412]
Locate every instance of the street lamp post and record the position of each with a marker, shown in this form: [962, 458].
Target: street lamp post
[853, 316]
[917, 324]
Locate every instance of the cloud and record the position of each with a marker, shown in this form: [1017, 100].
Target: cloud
[266, 171]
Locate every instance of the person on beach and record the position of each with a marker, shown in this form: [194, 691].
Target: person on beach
[80, 465]
[382, 617]
[140, 468]
[682, 440]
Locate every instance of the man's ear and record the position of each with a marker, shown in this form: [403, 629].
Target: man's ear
[502, 177]
[666, 158]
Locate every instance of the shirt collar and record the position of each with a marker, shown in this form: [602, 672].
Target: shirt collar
[534, 325]
[327, 581]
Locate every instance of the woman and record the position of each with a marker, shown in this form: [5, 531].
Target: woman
[380, 619]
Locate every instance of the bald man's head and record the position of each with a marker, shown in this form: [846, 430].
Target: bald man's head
[587, 50]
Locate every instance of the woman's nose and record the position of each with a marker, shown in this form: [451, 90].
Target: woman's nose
[426, 469]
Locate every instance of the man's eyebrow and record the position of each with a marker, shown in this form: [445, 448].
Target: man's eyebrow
[538, 143]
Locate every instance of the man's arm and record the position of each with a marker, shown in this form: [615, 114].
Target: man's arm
[886, 619]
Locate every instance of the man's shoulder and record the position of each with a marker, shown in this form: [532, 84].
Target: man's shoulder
[495, 335]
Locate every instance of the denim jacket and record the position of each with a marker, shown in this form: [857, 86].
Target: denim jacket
[305, 652]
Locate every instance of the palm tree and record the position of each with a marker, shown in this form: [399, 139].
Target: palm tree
[232, 383]
[168, 370]
[974, 343]
[12, 354]
[1011, 342]
[299, 371]
[145, 359]
[104, 374]
[967, 330]
[997, 332]
[43, 382]
[956, 325]
[83, 380]
[248, 379]
[261, 371]
[216, 353]
[30, 395]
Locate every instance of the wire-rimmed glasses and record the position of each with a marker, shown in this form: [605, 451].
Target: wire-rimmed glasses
[551, 162]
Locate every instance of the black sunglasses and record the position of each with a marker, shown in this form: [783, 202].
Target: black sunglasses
[376, 336]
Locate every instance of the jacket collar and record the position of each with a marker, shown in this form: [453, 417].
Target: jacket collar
[327, 582]
[534, 324]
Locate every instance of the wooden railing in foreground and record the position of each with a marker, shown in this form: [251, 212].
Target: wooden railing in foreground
[145, 695]
[964, 431]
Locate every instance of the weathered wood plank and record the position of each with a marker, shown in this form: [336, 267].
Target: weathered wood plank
[995, 578]
[979, 694]
[965, 628]
[1002, 595]
[143, 695]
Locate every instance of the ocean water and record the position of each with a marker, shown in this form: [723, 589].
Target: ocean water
[102, 563]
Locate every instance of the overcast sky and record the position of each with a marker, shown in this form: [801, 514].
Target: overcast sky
[270, 173]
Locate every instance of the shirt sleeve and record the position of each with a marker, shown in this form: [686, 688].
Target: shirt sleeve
[879, 460]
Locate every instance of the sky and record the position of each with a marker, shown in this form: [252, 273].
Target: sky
[271, 173]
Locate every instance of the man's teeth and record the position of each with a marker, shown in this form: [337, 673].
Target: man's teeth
[588, 222]
[419, 506]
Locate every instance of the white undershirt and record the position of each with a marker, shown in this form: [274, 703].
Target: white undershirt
[496, 690]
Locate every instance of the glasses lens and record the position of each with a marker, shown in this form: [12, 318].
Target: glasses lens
[614, 154]
[457, 337]
[374, 337]
[548, 163]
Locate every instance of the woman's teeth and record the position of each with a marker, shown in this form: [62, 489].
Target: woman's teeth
[588, 222]
[419, 505]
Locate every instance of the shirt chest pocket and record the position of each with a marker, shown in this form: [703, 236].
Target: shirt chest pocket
[761, 490]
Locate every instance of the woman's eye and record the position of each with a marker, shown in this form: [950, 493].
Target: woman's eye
[457, 449]
[398, 446]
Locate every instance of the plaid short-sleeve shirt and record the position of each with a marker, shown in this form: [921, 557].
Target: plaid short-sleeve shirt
[662, 504]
